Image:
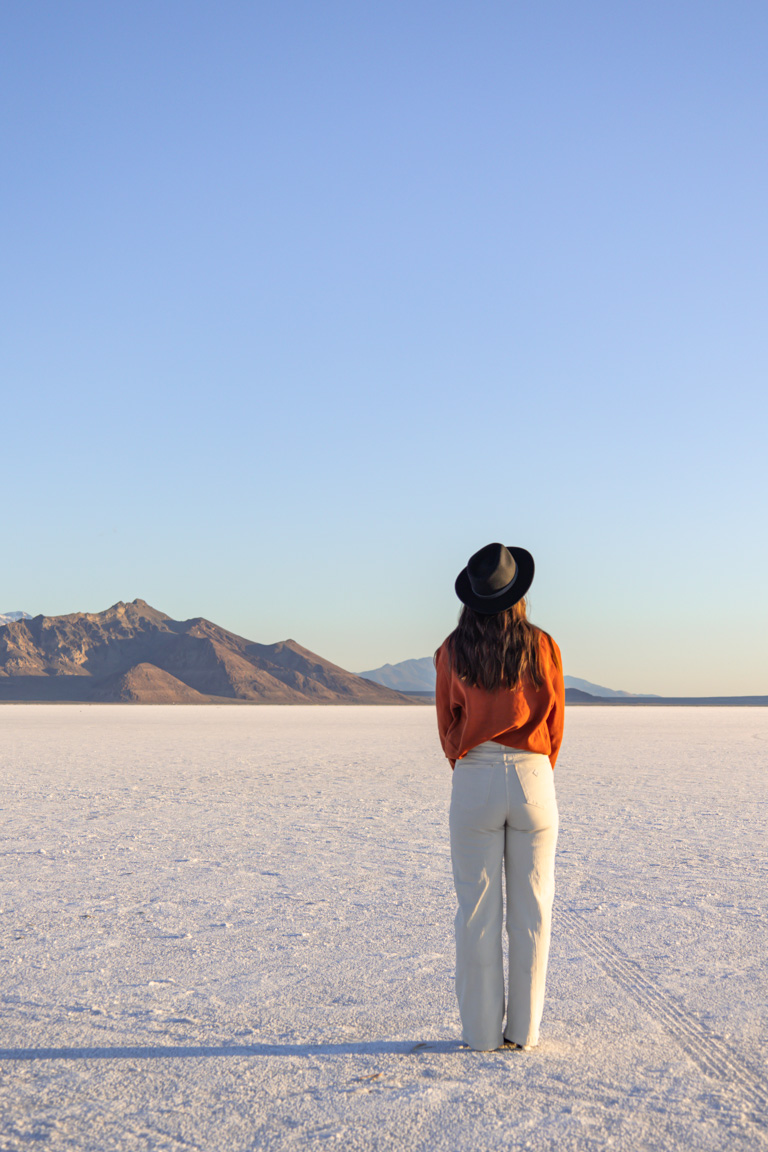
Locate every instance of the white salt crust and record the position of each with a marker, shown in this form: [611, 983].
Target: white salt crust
[231, 928]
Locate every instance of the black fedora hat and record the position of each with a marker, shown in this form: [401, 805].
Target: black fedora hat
[495, 578]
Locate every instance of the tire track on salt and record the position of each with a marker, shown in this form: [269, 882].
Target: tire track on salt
[710, 1053]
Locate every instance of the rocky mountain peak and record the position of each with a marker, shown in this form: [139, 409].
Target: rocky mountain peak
[133, 652]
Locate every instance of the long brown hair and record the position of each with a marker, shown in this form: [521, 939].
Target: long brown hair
[499, 651]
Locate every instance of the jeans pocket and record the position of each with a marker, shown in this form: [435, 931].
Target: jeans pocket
[471, 785]
[537, 780]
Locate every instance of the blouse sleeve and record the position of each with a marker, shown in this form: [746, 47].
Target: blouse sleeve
[556, 717]
[443, 694]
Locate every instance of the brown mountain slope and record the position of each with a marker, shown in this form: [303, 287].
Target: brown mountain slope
[87, 656]
[309, 673]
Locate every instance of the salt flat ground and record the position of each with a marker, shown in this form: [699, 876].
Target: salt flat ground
[227, 928]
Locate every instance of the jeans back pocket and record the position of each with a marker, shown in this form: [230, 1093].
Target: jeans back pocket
[471, 785]
[537, 780]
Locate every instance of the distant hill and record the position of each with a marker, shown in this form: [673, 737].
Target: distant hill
[133, 652]
[9, 617]
[407, 676]
[147, 684]
[597, 689]
[576, 696]
[419, 676]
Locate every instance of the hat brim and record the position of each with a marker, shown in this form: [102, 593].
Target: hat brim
[489, 606]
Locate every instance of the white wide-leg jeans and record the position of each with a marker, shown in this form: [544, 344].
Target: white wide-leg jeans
[503, 818]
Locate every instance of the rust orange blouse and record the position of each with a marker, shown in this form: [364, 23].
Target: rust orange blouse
[527, 718]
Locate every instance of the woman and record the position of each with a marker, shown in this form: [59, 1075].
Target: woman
[500, 703]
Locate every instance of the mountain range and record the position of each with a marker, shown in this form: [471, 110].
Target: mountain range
[135, 653]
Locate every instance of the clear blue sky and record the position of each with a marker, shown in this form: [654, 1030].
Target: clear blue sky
[303, 303]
